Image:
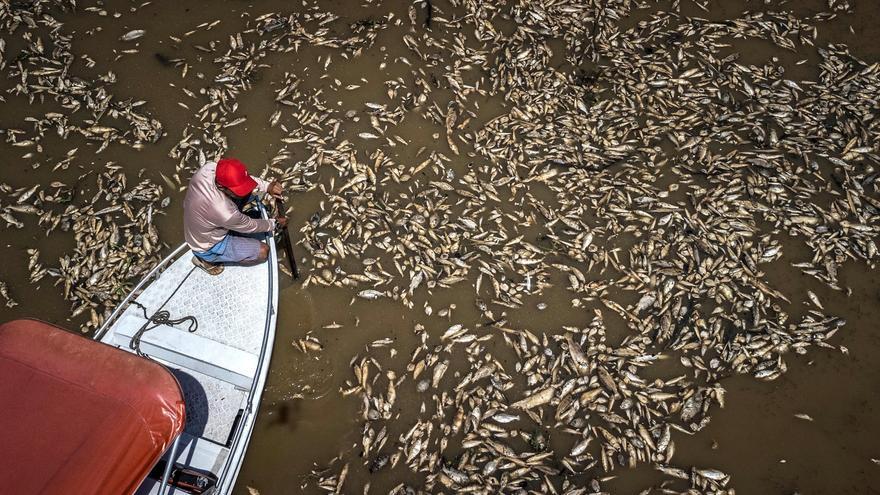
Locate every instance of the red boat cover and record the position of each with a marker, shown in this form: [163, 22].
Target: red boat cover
[78, 416]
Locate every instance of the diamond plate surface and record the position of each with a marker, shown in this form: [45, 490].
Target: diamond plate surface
[231, 307]
[211, 405]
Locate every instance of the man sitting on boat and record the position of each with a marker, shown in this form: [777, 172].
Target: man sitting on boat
[214, 226]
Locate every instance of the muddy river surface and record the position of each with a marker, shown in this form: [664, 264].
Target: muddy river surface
[546, 246]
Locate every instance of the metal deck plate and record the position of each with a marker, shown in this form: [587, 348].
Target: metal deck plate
[235, 310]
[230, 307]
[231, 310]
[211, 405]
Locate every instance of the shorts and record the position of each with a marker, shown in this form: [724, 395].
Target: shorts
[234, 248]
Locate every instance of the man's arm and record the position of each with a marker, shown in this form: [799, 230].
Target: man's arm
[239, 222]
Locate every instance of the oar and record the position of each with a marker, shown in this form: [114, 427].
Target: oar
[285, 240]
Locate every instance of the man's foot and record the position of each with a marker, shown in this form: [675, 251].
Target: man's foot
[211, 268]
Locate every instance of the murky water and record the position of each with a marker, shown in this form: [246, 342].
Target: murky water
[304, 421]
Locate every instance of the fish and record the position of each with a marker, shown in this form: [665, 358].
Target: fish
[133, 35]
[505, 418]
[370, 294]
[536, 399]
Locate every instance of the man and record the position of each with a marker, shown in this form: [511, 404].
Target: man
[213, 225]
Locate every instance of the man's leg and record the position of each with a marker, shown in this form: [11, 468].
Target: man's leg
[261, 257]
[243, 250]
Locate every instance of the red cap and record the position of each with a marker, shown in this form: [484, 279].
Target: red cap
[233, 175]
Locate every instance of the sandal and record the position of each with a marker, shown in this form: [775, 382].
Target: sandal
[210, 268]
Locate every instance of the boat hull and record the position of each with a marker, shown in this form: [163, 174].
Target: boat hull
[221, 366]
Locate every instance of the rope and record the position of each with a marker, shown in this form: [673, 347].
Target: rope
[161, 317]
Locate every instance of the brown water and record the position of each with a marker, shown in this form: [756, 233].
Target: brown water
[304, 422]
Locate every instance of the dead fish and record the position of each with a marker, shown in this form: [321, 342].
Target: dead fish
[370, 294]
[505, 418]
[814, 299]
[132, 35]
[536, 399]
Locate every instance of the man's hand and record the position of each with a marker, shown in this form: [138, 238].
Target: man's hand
[275, 189]
[281, 221]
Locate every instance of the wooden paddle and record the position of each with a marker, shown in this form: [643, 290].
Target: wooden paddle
[285, 241]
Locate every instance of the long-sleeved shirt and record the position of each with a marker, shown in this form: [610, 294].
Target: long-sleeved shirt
[209, 214]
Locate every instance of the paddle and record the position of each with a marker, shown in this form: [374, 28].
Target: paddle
[285, 241]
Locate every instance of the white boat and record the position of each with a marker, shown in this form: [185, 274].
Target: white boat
[83, 416]
[221, 366]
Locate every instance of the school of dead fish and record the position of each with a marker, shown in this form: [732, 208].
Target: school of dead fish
[645, 170]
[109, 217]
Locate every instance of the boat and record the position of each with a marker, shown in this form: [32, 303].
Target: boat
[213, 335]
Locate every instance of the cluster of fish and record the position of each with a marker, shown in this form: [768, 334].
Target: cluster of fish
[44, 70]
[658, 185]
[488, 428]
[249, 52]
[111, 223]
[643, 176]
[114, 238]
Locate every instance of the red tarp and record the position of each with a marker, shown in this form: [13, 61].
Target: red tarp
[78, 416]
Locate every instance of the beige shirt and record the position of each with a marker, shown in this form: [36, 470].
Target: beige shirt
[208, 214]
